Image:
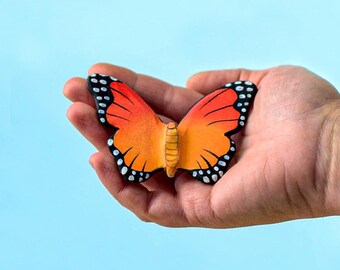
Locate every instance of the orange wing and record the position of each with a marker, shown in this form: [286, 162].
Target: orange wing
[138, 141]
[205, 145]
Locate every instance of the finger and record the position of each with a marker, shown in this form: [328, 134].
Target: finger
[160, 182]
[164, 98]
[158, 206]
[195, 198]
[75, 89]
[133, 196]
[84, 118]
[207, 81]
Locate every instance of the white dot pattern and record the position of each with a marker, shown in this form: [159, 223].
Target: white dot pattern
[222, 163]
[98, 85]
[124, 170]
[246, 91]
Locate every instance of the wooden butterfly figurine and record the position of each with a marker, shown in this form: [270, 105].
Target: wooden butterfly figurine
[142, 144]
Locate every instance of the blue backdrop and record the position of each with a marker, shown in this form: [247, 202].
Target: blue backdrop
[54, 213]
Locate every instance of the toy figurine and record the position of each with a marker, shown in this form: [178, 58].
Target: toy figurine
[200, 144]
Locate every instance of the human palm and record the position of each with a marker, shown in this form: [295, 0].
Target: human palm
[278, 172]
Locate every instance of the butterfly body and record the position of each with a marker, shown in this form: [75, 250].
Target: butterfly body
[171, 149]
[200, 144]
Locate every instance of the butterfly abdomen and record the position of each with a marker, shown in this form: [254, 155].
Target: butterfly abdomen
[171, 149]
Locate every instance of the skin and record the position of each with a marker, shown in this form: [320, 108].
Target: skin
[287, 163]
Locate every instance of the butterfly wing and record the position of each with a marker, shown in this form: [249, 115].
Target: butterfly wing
[137, 143]
[205, 145]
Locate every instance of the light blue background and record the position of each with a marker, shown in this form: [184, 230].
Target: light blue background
[54, 213]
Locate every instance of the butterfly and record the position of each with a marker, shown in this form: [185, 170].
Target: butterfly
[143, 145]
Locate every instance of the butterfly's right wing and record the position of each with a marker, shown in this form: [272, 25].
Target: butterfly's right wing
[137, 144]
[205, 145]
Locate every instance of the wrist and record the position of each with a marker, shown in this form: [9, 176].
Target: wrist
[330, 139]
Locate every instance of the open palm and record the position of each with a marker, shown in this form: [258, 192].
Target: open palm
[278, 173]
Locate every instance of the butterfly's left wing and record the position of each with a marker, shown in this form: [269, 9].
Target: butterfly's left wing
[137, 143]
[205, 145]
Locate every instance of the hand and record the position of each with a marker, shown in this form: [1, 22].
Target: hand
[284, 168]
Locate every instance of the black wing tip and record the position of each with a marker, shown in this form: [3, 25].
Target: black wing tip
[99, 76]
[246, 92]
[99, 87]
